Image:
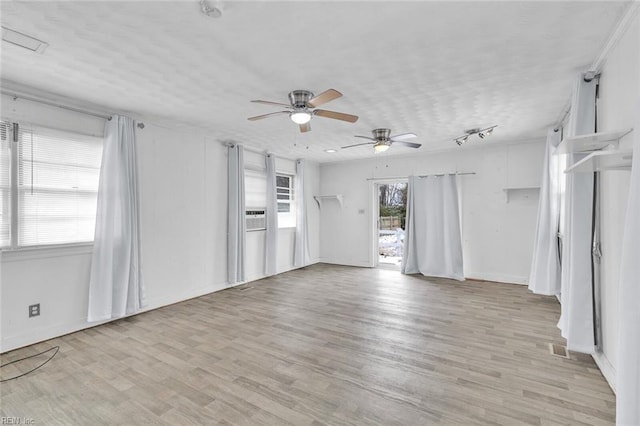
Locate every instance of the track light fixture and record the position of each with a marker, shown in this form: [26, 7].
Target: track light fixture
[482, 133]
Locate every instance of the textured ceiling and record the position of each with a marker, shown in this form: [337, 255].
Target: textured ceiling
[432, 68]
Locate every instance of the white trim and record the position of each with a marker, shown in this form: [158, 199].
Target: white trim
[499, 278]
[46, 252]
[620, 30]
[28, 93]
[606, 368]
[340, 263]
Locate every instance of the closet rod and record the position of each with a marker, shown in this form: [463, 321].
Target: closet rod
[422, 176]
[53, 104]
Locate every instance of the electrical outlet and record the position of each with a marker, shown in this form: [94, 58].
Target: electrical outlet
[34, 310]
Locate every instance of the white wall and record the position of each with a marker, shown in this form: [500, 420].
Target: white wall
[498, 226]
[183, 188]
[619, 94]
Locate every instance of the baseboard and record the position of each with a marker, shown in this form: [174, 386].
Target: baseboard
[341, 263]
[607, 370]
[500, 278]
[45, 333]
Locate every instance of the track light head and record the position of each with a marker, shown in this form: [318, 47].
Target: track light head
[462, 139]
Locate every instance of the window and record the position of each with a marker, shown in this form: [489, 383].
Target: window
[286, 206]
[54, 185]
[284, 191]
[255, 189]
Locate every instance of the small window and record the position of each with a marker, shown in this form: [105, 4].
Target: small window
[284, 196]
[283, 193]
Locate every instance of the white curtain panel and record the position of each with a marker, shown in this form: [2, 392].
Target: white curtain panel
[433, 245]
[576, 320]
[628, 366]
[545, 266]
[301, 247]
[115, 287]
[236, 225]
[271, 240]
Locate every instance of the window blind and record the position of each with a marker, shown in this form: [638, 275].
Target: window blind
[58, 175]
[255, 189]
[5, 184]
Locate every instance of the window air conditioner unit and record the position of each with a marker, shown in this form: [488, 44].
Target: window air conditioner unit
[255, 219]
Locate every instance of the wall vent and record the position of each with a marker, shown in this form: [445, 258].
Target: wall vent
[255, 219]
[559, 350]
[19, 39]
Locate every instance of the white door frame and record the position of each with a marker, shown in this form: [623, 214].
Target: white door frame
[374, 218]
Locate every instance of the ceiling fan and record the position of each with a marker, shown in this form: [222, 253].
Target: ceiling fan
[303, 105]
[382, 141]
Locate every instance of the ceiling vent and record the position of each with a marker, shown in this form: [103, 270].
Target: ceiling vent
[23, 40]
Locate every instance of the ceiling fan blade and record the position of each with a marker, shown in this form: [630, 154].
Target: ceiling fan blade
[260, 117]
[403, 137]
[306, 127]
[336, 115]
[409, 144]
[364, 137]
[272, 103]
[358, 144]
[323, 98]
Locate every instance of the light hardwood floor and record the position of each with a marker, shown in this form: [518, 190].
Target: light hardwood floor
[321, 345]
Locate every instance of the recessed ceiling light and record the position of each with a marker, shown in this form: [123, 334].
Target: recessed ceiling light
[330, 151]
[23, 40]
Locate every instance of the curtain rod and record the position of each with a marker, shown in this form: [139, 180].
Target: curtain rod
[257, 151]
[422, 176]
[54, 104]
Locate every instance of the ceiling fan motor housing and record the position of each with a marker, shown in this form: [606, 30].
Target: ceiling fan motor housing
[381, 135]
[299, 98]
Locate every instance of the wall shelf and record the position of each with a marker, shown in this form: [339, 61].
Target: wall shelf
[591, 142]
[524, 191]
[603, 160]
[322, 198]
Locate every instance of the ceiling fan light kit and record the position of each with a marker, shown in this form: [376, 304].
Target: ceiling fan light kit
[300, 117]
[381, 147]
[482, 133]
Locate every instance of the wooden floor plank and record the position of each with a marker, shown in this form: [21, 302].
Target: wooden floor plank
[320, 345]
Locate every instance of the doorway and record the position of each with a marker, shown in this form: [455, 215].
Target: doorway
[392, 213]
